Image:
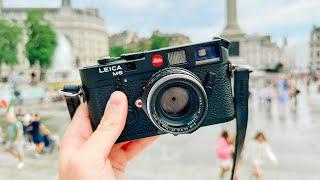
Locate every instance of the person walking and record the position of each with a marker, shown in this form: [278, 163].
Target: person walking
[37, 137]
[259, 152]
[224, 151]
[46, 135]
[294, 96]
[27, 131]
[15, 139]
[283, 89]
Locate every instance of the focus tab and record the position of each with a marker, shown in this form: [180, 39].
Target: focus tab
[106, 60]
[133, 56]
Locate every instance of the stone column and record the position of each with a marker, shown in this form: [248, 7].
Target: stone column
[232, 22]
[232, 29]
[232, 13]
[66, 3]
[233, 33]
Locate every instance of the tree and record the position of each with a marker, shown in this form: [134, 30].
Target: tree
[116, 51]
[10, 36]
[158, 41]
[154, 42]
[42, 41]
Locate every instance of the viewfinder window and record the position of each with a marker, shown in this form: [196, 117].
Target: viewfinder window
[207, 52]
[177, 57]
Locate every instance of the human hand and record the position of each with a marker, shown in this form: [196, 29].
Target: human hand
[94, 155]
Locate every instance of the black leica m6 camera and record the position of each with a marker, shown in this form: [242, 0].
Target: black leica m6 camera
[173, 90]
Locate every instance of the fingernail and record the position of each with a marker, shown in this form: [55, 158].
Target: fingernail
[115, 100]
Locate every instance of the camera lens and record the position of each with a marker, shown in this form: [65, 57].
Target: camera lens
[175, 101]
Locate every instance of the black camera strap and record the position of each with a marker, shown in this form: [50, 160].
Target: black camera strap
[72, 95]
[241, 95]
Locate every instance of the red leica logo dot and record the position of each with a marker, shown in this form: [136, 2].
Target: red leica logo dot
[157, 60]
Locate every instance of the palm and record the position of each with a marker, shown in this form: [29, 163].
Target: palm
[123, 152]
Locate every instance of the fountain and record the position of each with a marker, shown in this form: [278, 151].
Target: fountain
[63, 68]
[63, 71]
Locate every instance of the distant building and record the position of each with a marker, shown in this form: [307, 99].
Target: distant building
[256, 50]
[124, 38]
[261, 52]
[84, 28]
[174, 38]
[315, 50]
[131, 39]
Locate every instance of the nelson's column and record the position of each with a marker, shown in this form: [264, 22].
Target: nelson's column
[233, 33]
[258, 51]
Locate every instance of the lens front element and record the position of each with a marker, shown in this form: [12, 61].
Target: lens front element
[175, 101]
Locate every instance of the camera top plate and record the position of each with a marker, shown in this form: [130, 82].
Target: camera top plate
[184, 56]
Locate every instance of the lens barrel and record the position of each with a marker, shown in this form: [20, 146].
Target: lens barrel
[175, 101]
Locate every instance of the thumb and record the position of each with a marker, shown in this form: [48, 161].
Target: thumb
[111, 125]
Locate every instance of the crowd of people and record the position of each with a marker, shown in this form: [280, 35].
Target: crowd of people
[26, 131]
[283, 90]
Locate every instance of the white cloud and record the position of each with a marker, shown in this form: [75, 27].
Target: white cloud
[294, 14]
[31, 3]
[198, 34]
[141, 4]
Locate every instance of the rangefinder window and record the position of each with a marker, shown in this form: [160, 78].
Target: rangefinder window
[130, 66]
[177, 57]
[207, 54]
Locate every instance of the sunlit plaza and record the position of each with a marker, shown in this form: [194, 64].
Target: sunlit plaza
[291, 132]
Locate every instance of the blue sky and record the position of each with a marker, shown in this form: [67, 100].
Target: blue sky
[203, 19]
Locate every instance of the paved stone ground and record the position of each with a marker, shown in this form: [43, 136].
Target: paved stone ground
[294, 140]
